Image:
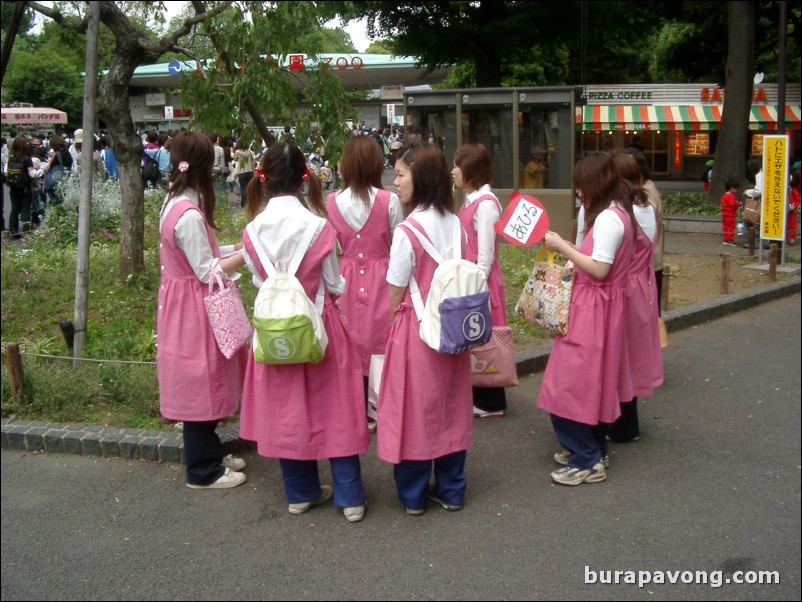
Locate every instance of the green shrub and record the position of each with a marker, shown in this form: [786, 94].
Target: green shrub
[38, 289]
[690, 203]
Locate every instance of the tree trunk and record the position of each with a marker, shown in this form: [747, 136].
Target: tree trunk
[485, 57]
[114, 110]
[733, 139]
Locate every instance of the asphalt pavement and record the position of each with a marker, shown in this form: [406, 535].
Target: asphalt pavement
[709, 496]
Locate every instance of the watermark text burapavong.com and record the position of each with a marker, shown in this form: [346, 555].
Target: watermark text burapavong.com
[711, 578]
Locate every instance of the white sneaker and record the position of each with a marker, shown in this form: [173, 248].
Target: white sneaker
[233, 462]
[576, 476]
[229, 479]
[325, 495]
[354, 514]
[477, 413]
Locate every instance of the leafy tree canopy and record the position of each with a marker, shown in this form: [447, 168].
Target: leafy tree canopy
[45, 78]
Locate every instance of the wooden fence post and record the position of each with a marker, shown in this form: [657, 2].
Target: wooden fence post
[724, 286]
[773, 252]
[14, 369]
[664, 290]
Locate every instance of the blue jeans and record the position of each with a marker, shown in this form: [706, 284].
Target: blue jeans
[302, 481]
[586, 443]
[412, 480]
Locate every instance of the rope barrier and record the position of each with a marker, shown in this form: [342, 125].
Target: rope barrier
[83, 359]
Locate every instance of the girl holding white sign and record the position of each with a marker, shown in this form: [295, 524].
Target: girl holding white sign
[582, 385]
[473, 172]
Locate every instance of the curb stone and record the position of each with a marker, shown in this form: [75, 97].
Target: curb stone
[167, 446]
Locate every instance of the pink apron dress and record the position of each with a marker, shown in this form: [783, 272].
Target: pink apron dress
[307, 411]
[196, 382]
[425, 397]
[582, 381]
[643, 330]
[365, 256]
[495, 281]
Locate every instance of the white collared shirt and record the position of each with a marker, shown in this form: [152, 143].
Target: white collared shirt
[356, 213]
[190, 236]
[280, 227]
[608, 232]
[486, 216]
[402, 256]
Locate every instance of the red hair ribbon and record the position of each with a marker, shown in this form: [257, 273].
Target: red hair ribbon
[306, 174]
[260, 173]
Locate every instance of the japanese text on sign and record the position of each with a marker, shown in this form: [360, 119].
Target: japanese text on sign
[523, 220]
[775, 186]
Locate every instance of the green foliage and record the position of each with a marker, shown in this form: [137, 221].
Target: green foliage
[44, 78]
[381, 47]
[37, 287]
[6, 14]
[690, 203]
[326, 40]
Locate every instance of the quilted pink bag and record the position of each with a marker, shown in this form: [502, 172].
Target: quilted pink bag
[493, 364]
[230, 323]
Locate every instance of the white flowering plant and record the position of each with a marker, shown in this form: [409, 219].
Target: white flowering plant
[61, 219]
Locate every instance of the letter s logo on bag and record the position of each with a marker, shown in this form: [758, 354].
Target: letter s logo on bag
[281, 347]
[474, 326]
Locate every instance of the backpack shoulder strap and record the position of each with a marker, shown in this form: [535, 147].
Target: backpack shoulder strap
[300, 251]
[270, 269]
[303, 245]
[411, 225]
[295, 261]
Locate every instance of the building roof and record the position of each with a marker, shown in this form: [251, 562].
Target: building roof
[357, 71]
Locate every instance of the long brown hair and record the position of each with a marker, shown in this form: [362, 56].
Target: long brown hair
[283, 171]
[598, 179]
[20, 148]
[431, 178]
[628, 168]
[197, 151]
[361, 166]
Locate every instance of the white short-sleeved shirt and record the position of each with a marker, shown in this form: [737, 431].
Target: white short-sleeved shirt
[280, 227]
[356, 213]
[608, 232]
[402, 256]
[487, 214]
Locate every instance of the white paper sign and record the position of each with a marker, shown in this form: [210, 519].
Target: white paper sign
[523, 220]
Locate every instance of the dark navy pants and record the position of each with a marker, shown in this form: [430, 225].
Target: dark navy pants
[412, 480]
[302, 481]
[203, 452]
[586, 443]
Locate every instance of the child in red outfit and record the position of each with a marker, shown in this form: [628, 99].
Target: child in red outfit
[794, 200]
[729, 209]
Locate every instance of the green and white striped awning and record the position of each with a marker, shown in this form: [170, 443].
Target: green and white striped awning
[676, 117]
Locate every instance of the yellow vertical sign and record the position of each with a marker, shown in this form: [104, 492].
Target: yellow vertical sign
[775, 187]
